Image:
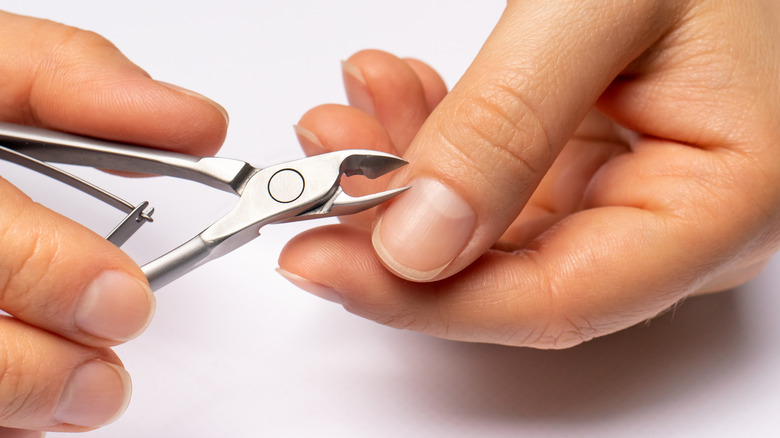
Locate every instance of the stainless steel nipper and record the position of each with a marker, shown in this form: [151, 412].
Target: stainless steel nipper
[303, 189]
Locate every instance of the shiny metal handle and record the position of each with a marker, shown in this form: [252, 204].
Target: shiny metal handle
[221, 173]
[176, 263]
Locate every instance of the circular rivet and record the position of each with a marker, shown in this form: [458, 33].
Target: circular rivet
[286, 186]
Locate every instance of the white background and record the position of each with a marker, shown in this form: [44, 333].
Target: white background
[235, 351]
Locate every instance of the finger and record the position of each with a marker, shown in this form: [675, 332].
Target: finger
[476, 160]
[72, 80]
[550, 295]
[329, 128]
[58, 275]
[433, 85]
[561, 191]
[333, 127]
[52, 384]
[390, 89]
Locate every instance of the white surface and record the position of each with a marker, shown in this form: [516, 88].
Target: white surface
[236, 351]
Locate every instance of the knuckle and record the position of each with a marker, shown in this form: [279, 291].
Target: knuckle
[499, 130]
[28, 258]
[74, 40]
[65, 49]
[396, 316]
[390, 317]
[560, 331]
[19, 392]
[567, 325]
[568, 332]
[562, 322]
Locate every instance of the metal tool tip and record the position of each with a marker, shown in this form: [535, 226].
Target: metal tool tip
[371, 164]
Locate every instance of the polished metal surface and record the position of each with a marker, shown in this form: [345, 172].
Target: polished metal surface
[304, 189]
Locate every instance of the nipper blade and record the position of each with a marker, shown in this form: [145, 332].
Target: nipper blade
[342, 204]
[371, 164]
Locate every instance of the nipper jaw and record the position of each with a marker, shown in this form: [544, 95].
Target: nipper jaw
[304, 189]
[299, 190]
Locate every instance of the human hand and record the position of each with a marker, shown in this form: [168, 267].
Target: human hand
[71, 293]
[596, 164]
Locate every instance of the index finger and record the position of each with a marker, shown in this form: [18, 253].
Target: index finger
[72, 80]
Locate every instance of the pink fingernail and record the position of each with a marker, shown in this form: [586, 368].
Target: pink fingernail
[358, 94]
[311, 287]
[422, 231]
[309, 141]
[115, 306]
[96, 394]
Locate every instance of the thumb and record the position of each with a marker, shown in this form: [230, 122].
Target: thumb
[479, 156]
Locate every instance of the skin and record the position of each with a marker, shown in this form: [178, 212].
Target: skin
[66, 79]
[616, 158]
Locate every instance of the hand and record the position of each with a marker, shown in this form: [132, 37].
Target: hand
[71, 294]
[596, 164]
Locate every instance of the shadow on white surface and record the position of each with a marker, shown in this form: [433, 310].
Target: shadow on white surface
[683, 351]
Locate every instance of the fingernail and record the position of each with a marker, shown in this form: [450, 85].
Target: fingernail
[311, 287]
[183, 90]
[422, 231]
[358, 93]
[309, 142]
[96, 394]
[115, 306]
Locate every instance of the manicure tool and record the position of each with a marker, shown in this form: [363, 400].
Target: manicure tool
[298, 190]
